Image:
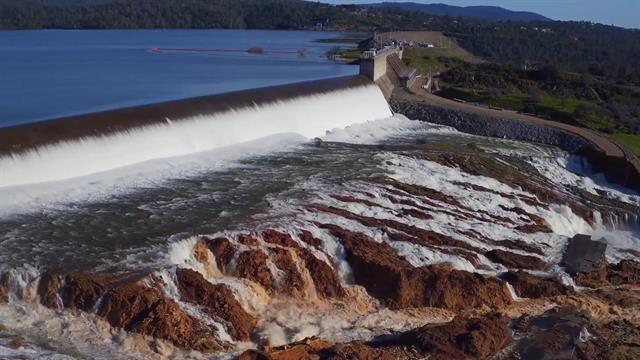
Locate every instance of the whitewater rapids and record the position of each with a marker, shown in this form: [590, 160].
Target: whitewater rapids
[156, 228]
[308, 116]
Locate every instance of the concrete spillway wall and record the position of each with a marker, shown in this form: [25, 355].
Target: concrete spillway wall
[165, 137]
[616, 169]
[374, 65]
[18, 139]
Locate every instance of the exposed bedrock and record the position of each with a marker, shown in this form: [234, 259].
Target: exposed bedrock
[138, 308]
[585, 260]
[4, 288]
[584, 255]
[462, 338]
[518, 175]
[217, 301]
[396, 283]
[516, 261]
[282, 252]
[141, 305]
[617, 170]
[530, 286]
[568, 333]
[626, 272]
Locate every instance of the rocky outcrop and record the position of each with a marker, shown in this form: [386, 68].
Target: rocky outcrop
[324, 277]
[217, 301]
[476, 338]
[222, 249]
[398, 284]
[289, 257]
[72, 291]
[519, 175]
[566, 332]
[415, 234]
[516, 261]
[462, 338]
[308, 238]
[553, 335]
[141, 307]
[306, 349]
[527, 285]
[4, 288]
[614, 340]
[626, 272]
[585, 260]
[584, 255]
[252, 265]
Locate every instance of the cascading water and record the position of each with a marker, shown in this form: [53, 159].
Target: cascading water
[384, 177]
[308, 116]
[176, 147]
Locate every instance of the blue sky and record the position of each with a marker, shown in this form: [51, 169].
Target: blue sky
[625, 13]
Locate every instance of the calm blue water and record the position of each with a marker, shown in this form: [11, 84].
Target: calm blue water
[51, 73]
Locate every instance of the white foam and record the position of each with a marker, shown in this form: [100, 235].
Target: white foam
[91, 167]
[558, 168]
[373, 132]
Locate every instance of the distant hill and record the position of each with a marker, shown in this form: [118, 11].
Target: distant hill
[60, 2]
[493, 13]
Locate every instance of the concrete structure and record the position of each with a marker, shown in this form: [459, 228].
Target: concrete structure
[373, 63]
[385, 68]
[21, 138]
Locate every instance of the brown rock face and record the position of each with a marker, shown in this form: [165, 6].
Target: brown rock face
[278, 238]
[363, 351]
[396, 283]
[252, 265]
[4, 291]
[534, 287]
[82, 291]
[424, 192]
[288, 256]
[73, 291]
[223, 250]
[569, 333]
[476, 338]
[138, 308]
[626, 272]
[416, 235]
[216, 300]
[463, 338]
[614, 340]
[516, 261]
[48, 288]
[307, 237]
[305, 349]
[293, 283]
[324, 277]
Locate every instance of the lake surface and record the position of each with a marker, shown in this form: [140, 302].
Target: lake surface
[54, 73]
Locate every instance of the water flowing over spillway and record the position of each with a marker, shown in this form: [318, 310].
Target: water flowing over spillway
[308, 116]
[384, 226]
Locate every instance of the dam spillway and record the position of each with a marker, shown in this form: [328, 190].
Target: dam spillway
[78, 146]
[340, 239]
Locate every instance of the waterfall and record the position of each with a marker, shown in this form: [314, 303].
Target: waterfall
[309, 116]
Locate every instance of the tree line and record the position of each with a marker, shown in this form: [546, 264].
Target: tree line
[583, 47]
